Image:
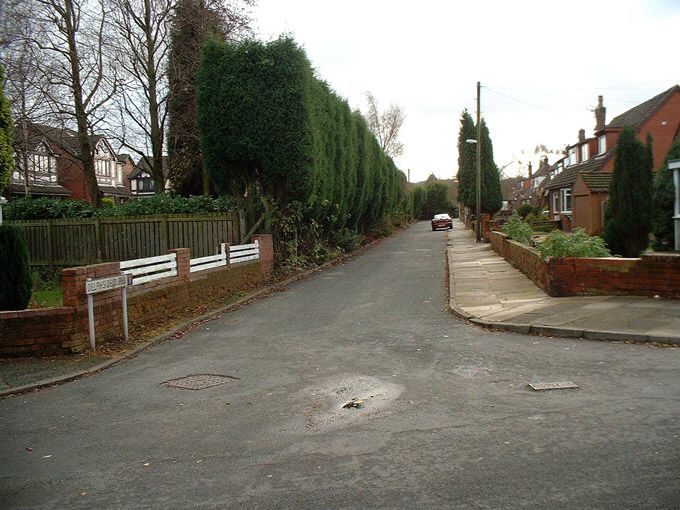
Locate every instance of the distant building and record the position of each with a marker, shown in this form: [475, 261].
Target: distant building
[141, 181]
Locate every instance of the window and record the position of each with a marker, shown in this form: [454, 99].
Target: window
[602, 144]
[584, 152]
[555, 202]
[566, 200]
[573, 157]
[133, 184]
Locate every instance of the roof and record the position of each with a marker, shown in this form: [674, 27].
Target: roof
[122, 158]
[640, 113]
[569, 175]
[47, 190]
[114, 190]
[597, 181]
[65, 138]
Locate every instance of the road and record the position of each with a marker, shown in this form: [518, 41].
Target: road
[447, 420]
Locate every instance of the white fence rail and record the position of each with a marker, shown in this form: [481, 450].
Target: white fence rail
[164, 266]
[202, 263]
[244, 252]
[150, 268]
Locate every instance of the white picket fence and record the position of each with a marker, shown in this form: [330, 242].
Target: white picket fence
[150, 268]
[154, 268]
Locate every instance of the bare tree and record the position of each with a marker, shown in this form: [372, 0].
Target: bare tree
[385, 126]
[24, 83]
[74, 60]
[142, 27]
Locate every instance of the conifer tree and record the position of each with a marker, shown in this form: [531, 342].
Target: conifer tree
[664, 203]
[492, 198]
[628, 216]
[466, 160]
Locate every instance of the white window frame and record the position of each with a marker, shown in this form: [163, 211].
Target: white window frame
[566, 198]
[556, 202]
[573, 156]
[602, 144]
[585, 153]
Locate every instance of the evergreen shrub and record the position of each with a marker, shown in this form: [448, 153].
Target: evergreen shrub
[15, 269]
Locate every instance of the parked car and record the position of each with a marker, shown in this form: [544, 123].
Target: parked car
[441, 221]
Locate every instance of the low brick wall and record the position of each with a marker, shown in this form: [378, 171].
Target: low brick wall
[64, 330]
[656, 274]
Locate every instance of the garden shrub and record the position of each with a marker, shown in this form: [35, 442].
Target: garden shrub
[517, 229]
[578, 244]
[345, 239]
[15, 269]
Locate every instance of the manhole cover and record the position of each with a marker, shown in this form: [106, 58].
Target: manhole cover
[199, 381]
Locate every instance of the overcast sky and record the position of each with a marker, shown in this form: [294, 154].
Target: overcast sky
[542, 65]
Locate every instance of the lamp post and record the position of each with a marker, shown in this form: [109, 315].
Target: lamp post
[478, 194]
[3, 201]
[674, 164]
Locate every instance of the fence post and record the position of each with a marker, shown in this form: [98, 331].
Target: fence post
[224, 250]
[165, 234]
[50, 250]
[98, 239]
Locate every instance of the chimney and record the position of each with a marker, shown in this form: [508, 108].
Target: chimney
[581, 135]
[530, 173]
[600, 114]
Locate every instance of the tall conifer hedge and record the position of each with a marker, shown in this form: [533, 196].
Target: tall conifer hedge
[267, 121]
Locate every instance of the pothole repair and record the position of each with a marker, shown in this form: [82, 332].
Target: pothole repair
[198, 381]
[348, 399]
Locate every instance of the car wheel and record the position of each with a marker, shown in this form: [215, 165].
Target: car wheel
[433, 229]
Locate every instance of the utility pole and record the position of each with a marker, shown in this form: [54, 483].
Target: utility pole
[478, 213]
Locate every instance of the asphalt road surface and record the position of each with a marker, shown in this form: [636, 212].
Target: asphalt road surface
[447, 420]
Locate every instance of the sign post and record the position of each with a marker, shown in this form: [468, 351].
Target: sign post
[674, 164]
[102, 285]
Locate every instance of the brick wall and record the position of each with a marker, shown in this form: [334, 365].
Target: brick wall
[651, 275]
[64, 330]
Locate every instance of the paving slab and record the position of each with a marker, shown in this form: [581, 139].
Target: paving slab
[487, 290]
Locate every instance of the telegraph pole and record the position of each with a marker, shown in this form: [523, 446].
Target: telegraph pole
[478, 213]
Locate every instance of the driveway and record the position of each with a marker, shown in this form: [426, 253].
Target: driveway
[446, 419]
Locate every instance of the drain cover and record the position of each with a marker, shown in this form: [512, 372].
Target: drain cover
[564, 385]
[199, 381]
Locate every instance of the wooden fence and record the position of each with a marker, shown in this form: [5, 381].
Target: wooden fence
[91, 240]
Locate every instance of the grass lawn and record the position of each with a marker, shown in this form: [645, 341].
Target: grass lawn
[45, 298]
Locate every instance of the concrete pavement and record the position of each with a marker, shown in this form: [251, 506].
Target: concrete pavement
[485, 289]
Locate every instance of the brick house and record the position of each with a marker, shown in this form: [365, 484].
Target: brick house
[578, 194]
[55, 170]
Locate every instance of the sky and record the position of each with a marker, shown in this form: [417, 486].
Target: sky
[541, 65]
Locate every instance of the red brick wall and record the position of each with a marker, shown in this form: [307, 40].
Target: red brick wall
[651, 275]
[64, 330]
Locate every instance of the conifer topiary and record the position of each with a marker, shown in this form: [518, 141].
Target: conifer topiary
[628, 216]
[15, 269]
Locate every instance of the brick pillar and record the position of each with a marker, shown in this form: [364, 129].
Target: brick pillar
[266, 253]
[486, 226]
[73, 280]
[183, 263]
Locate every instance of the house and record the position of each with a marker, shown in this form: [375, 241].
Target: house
[578, 194]
[40, 179]
[141, 181]
[55, 170]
